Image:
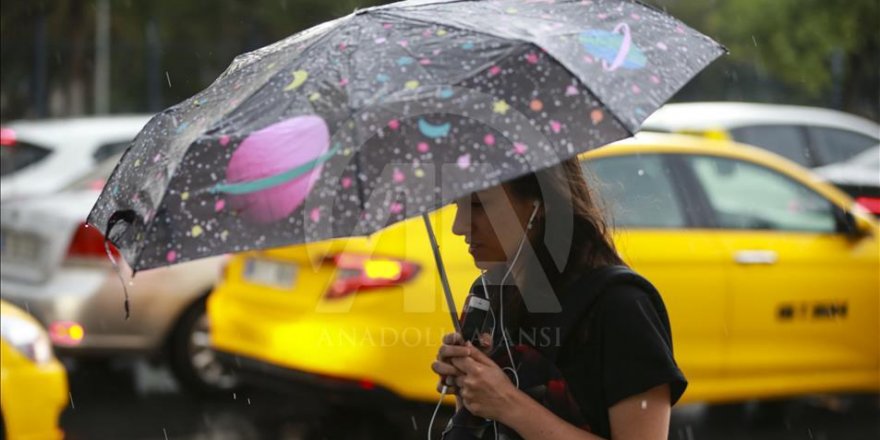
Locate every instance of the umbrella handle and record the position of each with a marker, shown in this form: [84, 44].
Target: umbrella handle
[450, 301]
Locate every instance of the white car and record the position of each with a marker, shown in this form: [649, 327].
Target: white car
[859, 177]
[43, 156]
[57, 268]
[810, 136]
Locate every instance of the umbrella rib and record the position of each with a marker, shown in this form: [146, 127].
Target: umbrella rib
[357, 178]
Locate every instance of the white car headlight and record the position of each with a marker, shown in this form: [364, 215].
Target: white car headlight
[27, 337]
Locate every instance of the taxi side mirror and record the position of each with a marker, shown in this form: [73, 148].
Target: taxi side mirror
[852, 225]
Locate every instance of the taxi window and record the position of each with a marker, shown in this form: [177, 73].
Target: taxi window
[637, 191]
[747, 196]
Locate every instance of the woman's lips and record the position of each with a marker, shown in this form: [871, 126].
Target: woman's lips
[474, 246]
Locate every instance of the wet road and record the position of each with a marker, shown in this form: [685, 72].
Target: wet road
[148, 405]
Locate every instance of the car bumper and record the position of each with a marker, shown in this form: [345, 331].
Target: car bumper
[32, 399]
[357, 348]
[91, 297]
[309, 386]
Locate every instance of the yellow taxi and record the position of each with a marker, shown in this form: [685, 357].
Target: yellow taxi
[770, 276]
[33, 384]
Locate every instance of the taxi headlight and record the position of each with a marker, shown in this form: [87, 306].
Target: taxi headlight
[27, 338]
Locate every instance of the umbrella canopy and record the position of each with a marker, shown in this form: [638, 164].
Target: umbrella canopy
[388, 113]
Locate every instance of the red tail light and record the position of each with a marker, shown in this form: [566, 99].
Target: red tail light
[66, 333]
[361, 272]
[87, 242]
[7, 137]
[870, 203]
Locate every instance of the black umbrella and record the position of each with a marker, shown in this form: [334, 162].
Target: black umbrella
[388, 113]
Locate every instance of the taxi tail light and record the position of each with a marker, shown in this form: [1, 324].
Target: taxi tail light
[88, 242]
[361, 272]
[870, 203]
[67, 333]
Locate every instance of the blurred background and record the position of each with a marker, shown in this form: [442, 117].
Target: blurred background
[67, 58]
[81, 77]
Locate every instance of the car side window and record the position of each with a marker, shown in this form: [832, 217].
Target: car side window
[835, 145]
[20, 155]
[637, 190]
[747, 196]
[109, 150]
[788, 141]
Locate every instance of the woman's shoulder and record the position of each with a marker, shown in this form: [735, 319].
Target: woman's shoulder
[617, 278]
[617, 289]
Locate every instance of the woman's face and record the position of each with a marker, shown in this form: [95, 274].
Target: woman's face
[492, 224]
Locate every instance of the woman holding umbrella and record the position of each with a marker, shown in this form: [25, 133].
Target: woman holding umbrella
[320, 136]
[613, 376]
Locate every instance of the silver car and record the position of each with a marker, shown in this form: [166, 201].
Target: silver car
[57, 268]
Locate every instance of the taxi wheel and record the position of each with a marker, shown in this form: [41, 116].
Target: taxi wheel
[192, 360]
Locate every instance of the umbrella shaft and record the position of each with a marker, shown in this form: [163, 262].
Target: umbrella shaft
[450, 301]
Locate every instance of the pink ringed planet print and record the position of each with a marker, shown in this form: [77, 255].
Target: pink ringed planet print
[273, 169]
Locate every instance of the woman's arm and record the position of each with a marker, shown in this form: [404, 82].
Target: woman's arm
[643, 416]
[487, 392]
[533, 421]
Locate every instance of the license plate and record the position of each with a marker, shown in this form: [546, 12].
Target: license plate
[19, 246]
[270, 273]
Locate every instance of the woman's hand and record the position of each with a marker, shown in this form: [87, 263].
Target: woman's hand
[483, 387]
[453, 347]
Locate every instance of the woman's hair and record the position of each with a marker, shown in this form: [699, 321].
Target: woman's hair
[571, 237]
[564, 194]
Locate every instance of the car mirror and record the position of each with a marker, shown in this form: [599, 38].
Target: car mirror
[853, 225]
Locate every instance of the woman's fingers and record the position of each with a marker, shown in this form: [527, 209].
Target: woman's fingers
[459, 381]
[467, 365]
[444, 369]
[485, 341]
[453, 339]
[453, 351]
[449, 389]
[479, 356]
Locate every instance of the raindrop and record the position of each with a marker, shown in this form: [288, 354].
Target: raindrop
[168, 77]
[72, 406]
[165, 433]
[754, 41]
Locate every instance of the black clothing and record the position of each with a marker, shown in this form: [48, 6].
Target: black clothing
[608, 344]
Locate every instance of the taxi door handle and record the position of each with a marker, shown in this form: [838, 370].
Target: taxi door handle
[752, 257]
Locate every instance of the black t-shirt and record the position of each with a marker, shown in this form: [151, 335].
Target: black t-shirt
[620, 347]
[623, 348]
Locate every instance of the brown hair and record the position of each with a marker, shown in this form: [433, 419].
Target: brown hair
[573, 220]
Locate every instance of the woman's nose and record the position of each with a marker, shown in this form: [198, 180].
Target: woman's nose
[462, 223]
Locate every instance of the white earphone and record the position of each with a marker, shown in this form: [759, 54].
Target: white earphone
[536, 204]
